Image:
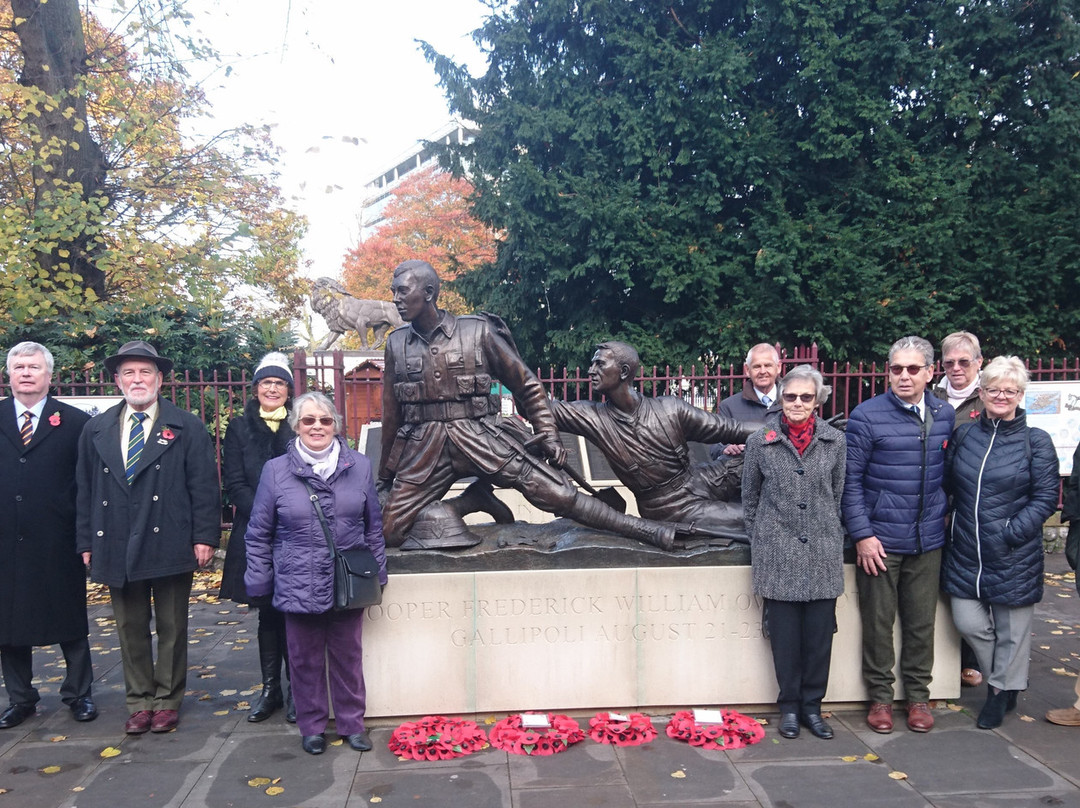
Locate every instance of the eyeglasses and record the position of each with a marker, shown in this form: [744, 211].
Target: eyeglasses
[995, 392]
[805, 398]
[957, 363]
[325, 420]
[271, 383]
[896, 370]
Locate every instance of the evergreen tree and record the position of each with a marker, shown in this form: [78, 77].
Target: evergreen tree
[700, 175]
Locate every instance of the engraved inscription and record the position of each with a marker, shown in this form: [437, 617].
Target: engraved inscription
[651, 618]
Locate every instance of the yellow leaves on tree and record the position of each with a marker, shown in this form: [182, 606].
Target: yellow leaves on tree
[102, 180]
[428, 218]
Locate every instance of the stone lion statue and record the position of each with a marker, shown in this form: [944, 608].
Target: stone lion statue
[343, 312]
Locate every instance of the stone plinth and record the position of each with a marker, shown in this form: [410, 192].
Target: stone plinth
[593, 637]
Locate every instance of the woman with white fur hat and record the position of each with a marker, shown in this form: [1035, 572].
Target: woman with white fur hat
[261, 433]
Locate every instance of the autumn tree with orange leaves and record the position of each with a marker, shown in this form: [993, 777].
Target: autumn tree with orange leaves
[428, 218]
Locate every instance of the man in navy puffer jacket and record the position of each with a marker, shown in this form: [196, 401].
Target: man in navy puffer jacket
[894, 510]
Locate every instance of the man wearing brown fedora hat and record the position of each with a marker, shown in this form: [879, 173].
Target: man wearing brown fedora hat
[148, 516]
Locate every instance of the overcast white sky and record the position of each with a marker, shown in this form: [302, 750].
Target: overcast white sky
[325, 72]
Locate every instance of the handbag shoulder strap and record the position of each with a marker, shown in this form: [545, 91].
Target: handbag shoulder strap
[322, 518]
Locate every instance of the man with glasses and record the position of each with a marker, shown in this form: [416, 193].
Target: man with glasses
[894, 510]
[961, 357]
[148, 515]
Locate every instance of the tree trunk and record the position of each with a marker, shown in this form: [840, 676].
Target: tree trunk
[69, 161]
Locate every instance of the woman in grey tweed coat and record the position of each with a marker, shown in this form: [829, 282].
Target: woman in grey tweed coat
[793, 476]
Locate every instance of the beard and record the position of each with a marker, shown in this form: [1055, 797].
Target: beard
[140, 398]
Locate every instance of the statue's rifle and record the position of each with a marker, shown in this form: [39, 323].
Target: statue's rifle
[609, 496]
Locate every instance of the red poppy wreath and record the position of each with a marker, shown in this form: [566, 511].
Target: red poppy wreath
[733, 732]
[436, 737]
[509, 735]
[634, 729]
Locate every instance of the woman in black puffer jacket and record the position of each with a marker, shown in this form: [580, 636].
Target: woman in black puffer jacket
[1003, 478]
[260, 434]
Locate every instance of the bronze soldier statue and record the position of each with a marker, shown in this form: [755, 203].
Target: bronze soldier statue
[644, 440]
[441, 424]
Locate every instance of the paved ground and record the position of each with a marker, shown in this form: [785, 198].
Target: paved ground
[215, 756]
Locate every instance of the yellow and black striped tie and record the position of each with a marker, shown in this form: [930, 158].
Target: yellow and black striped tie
[26, 432]
[136, 439]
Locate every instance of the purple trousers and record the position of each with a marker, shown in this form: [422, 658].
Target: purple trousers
[316, 640]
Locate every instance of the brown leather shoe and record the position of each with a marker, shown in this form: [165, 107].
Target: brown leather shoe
[919, 717]
[164, 721]
[138, 723]
[879, 719]
[969, 677]
[1064, 716]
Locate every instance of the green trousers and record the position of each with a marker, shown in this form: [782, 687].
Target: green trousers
[150, 684]
[908, 588]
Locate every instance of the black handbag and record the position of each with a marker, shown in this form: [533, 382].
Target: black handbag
[356, 572]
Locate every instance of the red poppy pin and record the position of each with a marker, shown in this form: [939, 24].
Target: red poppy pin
[54, 419]
[770, 436]
[168, 434]
[973, 415]
[945, 444]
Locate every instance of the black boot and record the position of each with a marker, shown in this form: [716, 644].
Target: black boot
[290, 706]
[270, 661]
[993, 711]
[479, 497]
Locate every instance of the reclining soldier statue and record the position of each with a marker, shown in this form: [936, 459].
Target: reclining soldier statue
[645, 441]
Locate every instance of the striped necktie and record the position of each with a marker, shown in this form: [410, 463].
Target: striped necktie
[26, 432]
[136, 439]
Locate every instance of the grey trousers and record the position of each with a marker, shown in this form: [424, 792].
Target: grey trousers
[1001, 638]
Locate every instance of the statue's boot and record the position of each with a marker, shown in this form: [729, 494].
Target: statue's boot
[439, 527]
[479, 497]
[594, 513]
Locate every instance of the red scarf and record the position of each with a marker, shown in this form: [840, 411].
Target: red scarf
[799, 434]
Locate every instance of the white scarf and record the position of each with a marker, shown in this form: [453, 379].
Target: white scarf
[322, 462]
[957, 397]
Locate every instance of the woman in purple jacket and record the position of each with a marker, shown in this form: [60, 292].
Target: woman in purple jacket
[287, 556]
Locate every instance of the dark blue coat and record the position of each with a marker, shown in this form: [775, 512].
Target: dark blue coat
[895, 472]
[1003, 478]
[287, 553]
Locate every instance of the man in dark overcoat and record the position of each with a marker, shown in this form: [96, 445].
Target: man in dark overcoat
[149, 514]
[43, 588]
